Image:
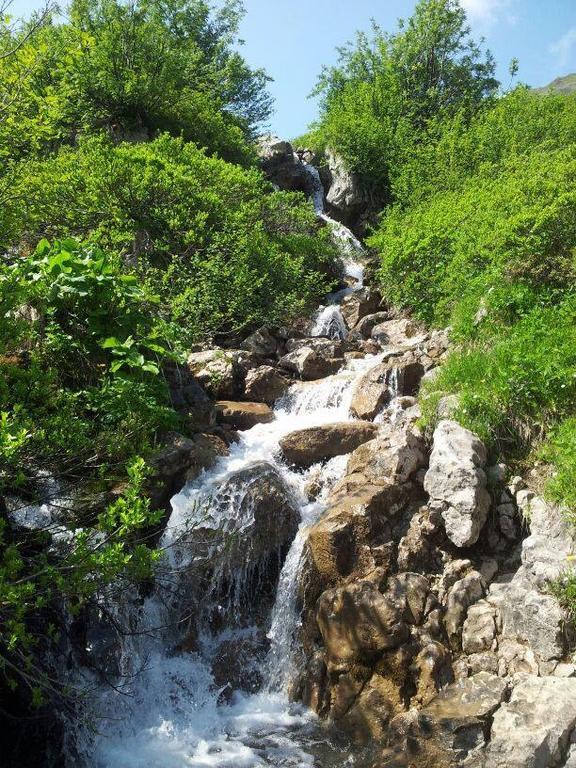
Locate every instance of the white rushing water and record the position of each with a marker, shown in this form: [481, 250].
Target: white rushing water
[167, 711]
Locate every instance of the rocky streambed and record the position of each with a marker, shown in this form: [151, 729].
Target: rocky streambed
[336, 587]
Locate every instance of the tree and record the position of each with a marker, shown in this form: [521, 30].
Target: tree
[387, 90]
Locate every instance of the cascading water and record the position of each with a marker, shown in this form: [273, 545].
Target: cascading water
[168, 712]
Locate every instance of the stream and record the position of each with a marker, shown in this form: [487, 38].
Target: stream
[168, 712]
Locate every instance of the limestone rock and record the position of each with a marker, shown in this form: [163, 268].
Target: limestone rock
[345, 194]
[479, 628]
[458, 717]
[309, 364]
[261, 343]
[357, 305]
[217, 370]
[307, 446]
[394, 457]
[456, 482]
[265, 385]
[243, 415]
[358, 623]
[381, 383]
[364, 326]
[402, 333]
[533, 729]
[461, 596]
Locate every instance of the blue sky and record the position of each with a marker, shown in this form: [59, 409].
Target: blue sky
[292, 39]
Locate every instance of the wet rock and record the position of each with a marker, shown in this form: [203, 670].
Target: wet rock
[409, 591]
[243, 415]
[237, 664]
[309, 364]
[456, 482]
[265, 385]
[379, 384]
[341, 544]
[459, 716]
[181, 458]
[432, 670]
[307, 446]
[357, 623]
[479, 628]
[261, 518]
[533, 729]
[461, 596]
[417, 549]
[188, 397]
[357, 305]
[364, 326]
[261, 343]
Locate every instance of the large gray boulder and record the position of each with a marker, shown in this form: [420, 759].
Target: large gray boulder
[456, 482]
[382, 382]
[345, 194]
[534, 728]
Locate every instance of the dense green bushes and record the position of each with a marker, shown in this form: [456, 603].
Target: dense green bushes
[223, 253]
[131, 69]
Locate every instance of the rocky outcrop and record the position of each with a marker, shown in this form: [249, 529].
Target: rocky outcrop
[282, 166]
[265, 384]
[308, 446]
[345, 196]
[309, 364]
[383, 382]
[456, 482]
[358, 305]
[243, 415]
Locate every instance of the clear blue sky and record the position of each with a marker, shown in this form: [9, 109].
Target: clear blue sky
[292, 39]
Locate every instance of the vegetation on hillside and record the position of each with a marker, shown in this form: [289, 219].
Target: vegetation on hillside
[133, 224]
[477, 228]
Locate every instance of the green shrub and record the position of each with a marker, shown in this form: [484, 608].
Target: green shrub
[223, 253]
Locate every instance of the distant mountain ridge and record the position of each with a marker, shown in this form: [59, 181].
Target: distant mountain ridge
[565, 84]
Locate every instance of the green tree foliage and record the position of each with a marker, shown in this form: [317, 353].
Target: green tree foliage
[379, 101]
[133, 69]
[222, 250]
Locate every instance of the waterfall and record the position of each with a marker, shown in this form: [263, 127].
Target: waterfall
[168, 711]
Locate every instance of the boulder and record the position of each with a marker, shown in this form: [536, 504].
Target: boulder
[188, 397]
[307, 446]
[401, 333]
[265, 385]
[534, 728]
[261, 343]
[340, 544]
[379, 384]
[243, 415]
[345, 195]
[282, 166]
[364, 326]
[358, 623]
[251, 517]
[308, 364]
[237, 664]
[460, 715]
[217, 371]
[358, 304]
[530, 617]
[456, 482]
[393, 457]
[409, 591]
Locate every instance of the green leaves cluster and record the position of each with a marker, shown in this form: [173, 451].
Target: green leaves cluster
[380, 101]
